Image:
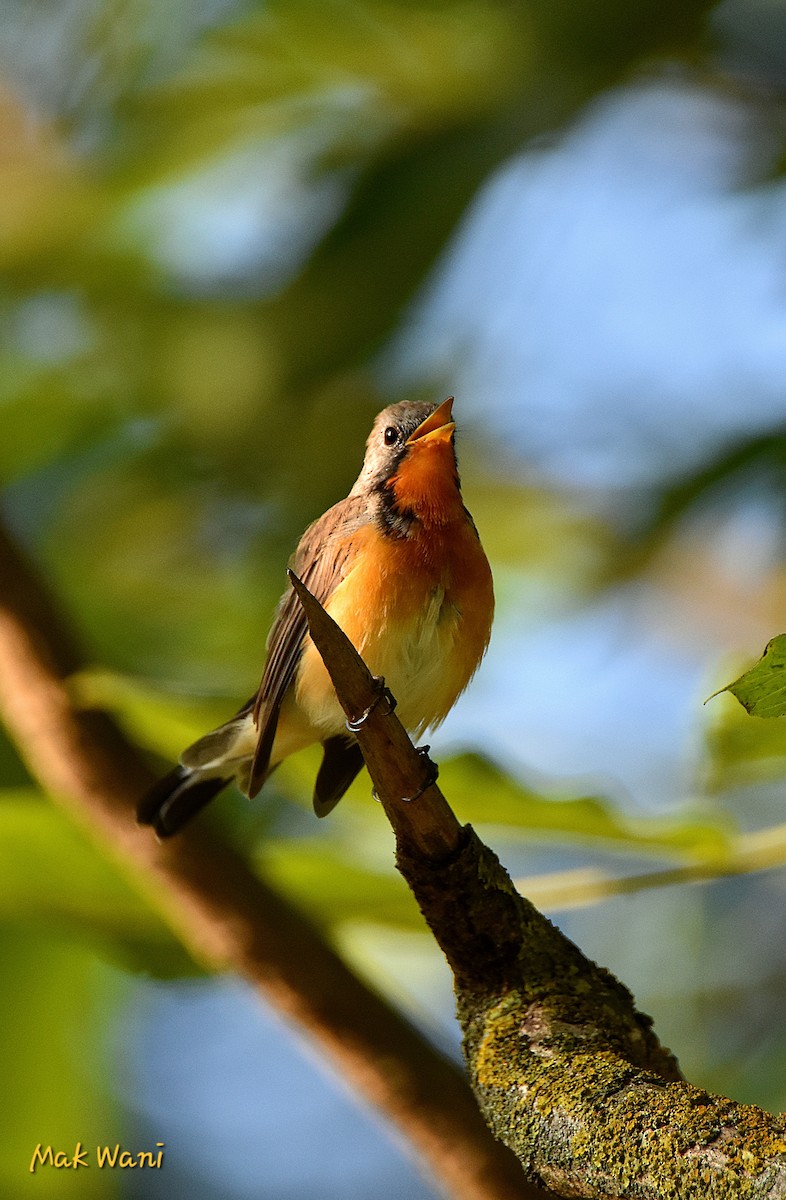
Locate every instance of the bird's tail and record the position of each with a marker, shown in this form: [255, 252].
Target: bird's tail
[205, 768]
[176, 798]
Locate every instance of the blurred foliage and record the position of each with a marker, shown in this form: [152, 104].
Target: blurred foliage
[752, 462]
[53, 877]
[213, 217]
[54, 1016]
[741, 749]
[341, 879]
[746, 741]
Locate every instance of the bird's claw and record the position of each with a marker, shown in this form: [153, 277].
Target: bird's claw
[432, 775]
[382, 692]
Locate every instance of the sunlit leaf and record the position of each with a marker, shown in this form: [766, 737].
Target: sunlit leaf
[762, 690]
[405, 964]
[156, 720]
[747, 854]
[482, 793]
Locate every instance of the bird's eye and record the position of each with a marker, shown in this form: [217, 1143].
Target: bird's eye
[391, 435]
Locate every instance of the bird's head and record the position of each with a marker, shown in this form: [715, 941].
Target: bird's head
[410, 462]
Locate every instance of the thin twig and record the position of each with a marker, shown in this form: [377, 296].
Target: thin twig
[557, 891]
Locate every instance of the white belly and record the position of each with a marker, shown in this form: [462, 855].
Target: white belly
[418, 663]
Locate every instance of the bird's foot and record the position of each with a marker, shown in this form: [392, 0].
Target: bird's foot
[432, 774]
[431, 777]
[381, 692]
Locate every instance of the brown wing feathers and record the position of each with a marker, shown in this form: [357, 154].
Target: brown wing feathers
[320, 561]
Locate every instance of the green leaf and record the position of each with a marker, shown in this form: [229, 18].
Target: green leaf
[346, 875]
[152, 718]
[53, 877]
[479, 791]
[324, 877]
[762, 690]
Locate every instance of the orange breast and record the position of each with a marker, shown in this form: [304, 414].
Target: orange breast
[419, 611]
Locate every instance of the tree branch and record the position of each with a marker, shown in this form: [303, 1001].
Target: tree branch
[568, 1073]
[225, 915]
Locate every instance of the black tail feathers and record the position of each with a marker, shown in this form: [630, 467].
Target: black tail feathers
[341, 762]
[174, 800]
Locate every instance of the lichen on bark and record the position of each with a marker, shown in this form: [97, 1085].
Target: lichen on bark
[567, 1072]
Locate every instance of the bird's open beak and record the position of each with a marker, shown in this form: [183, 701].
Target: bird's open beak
[437, 427]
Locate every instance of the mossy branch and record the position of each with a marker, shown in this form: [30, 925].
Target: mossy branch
[225, 914]
[567, 1072]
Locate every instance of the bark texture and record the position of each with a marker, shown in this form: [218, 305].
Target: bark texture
[567, 1072]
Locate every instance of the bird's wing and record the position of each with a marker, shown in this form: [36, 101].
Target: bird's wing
[320, 561]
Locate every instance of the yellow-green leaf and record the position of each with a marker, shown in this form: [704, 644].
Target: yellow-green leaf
[53, 877]
[762, 690]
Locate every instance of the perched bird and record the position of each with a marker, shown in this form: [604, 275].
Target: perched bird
[399, 566]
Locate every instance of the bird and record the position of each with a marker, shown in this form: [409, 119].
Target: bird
[400, 567]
